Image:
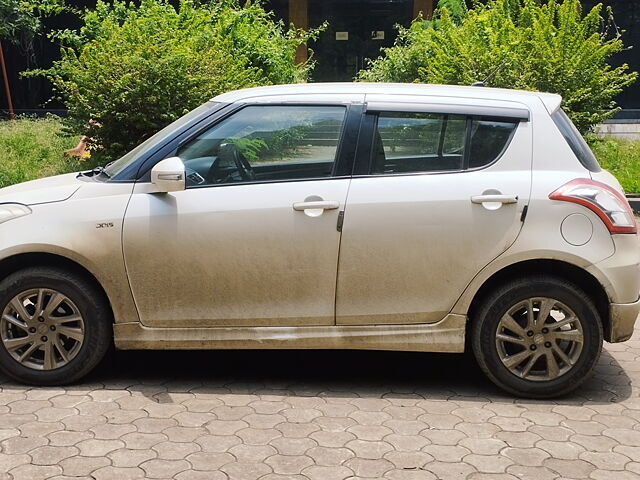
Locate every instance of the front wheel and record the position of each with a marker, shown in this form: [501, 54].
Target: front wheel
[55, 326]
[537, 337]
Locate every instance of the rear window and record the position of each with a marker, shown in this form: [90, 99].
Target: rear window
[575, 141]
[411, 142]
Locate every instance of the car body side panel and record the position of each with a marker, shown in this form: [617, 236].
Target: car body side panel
[86, 229]
[44, 190]
[411, 243]
[234, 255]
[446, 335]
[554, 164]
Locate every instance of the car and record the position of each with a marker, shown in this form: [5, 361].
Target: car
[413, 217]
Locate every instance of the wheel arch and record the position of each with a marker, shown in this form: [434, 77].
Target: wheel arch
[21, 261]
[557, 268]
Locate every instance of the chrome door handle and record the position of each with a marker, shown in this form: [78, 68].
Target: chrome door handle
[494, 199]
[316, 205]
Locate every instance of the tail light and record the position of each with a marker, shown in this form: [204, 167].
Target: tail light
[606, 202]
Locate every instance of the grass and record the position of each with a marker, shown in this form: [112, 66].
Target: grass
[32, 148]
[621, 158]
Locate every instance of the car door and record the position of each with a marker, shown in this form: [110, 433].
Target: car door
[438, 192]
[252, 240]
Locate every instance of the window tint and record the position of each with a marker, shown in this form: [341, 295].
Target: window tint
[266, 143]
[575, 141]
[418, 142]
[423, 142]
[489, 139]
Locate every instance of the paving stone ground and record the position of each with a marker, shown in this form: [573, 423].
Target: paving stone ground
[318, 415]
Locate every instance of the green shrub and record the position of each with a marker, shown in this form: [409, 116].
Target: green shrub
[522, 44]
[20, 20]
[621, 158]
[134, 69]
[32, 148]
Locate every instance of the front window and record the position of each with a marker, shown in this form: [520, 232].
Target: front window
[266, 143]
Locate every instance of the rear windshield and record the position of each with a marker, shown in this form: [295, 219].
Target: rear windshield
[575, 141]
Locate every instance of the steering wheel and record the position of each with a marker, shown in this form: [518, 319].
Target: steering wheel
[230, 166]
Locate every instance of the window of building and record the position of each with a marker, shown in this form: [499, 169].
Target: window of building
[427, 142]
[266, 143]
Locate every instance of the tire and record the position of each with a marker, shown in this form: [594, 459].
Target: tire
[64, 331]
[524, 358]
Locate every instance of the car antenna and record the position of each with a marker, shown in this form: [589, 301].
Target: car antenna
[490, 76]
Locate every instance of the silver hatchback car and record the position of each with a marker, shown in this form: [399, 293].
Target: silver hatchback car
[330, 216]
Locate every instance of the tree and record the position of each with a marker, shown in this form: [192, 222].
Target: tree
[134, 69]
[522, 44]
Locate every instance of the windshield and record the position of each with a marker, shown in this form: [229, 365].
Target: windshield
[123, 162]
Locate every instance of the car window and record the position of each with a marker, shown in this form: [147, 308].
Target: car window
[418, 142]
[489, 138]
[575, 141]
[266, 143]
[424, 142]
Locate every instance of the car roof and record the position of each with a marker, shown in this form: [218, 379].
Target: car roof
[550, 100]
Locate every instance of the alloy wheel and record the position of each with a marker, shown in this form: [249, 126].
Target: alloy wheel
[539, 339]
[42, 329]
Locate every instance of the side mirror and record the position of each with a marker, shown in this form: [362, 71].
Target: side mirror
[168, 175]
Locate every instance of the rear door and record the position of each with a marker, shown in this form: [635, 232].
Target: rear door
[438, 193]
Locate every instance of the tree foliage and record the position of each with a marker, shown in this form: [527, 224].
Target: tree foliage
[134, 69]
[20, 19]
[522, 44]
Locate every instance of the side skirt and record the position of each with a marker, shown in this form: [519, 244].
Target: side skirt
[447, 335]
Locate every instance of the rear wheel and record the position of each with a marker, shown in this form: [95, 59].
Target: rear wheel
[55, 326]
[537, 337]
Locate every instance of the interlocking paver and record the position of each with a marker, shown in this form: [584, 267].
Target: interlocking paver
[245, 471]
[77, 466]
[450, 471]
[293, 446]
[335, 424]
[8, 433]
[489, 463]
[408, 460]
[35, 471]
[388, 424]
[252, 453]
[368, 468]
[18, 445]
[446, 453]
[157, 468]
[208, 461]
[409, 475]
[289, 464]
[131, 458]
[533, 473]
[51, 455]
[318, 472]
[570, 468]
[529, 457]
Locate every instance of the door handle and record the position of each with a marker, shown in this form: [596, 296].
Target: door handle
[316, 205]
[494, 198]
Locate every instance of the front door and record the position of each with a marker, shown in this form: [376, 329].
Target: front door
[252, 241]
[442, 196]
